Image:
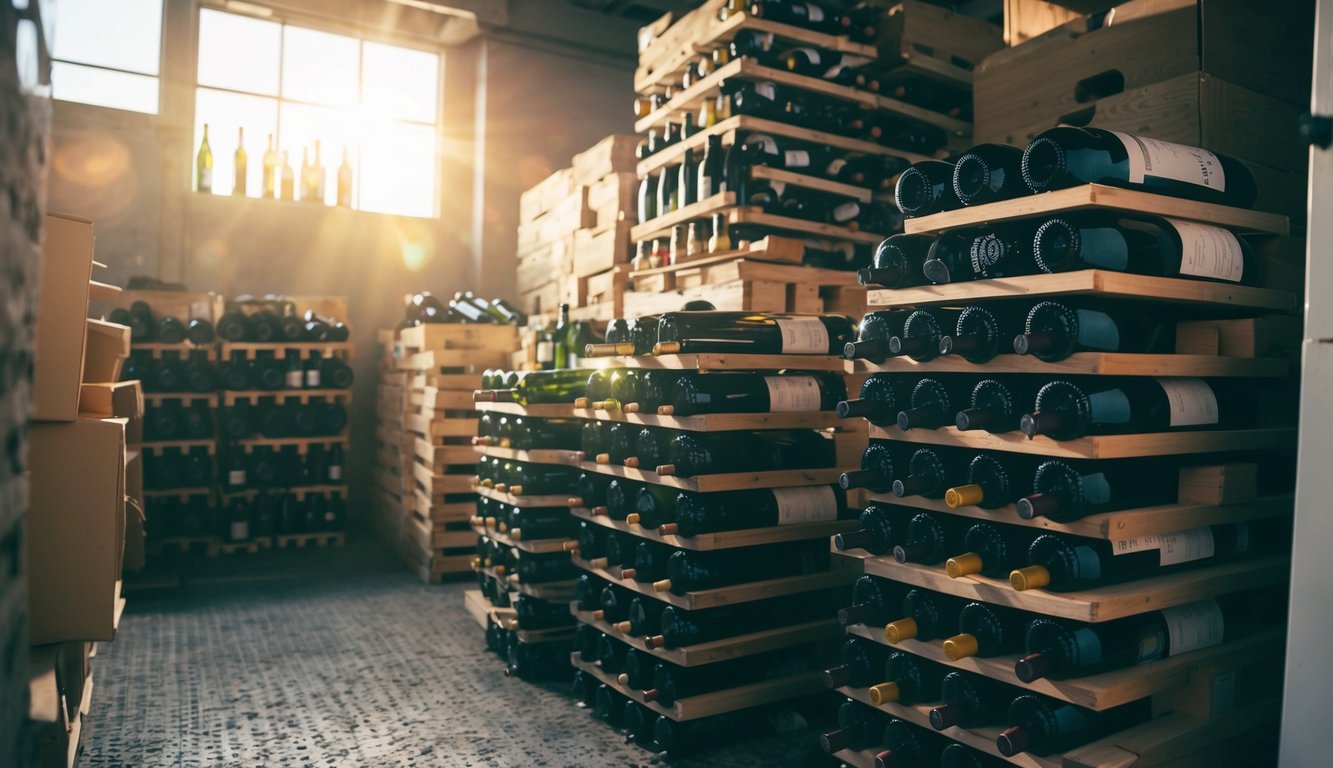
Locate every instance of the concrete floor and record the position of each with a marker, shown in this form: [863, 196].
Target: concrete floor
[338, 657]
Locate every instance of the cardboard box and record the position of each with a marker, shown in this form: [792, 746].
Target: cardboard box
[121, 400]
[53, 731]
[614, 154]
[76, 529]
[62, 307]
[105, 348]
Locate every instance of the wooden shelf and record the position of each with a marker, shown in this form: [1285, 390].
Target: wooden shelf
[540, 456]
[305, 349]
[1089, 364]
[737, 593]
[1103, 197]
[536, 546]
[727, 130]
[717, 422]
[1090, 282]
[1121, 524]
[156, 398]
[555, 591]
[731, 481]
[1105, 690]
[729, 361]
[183, 348]
[661, 226]
[1099, 446]
[757, 217]
[300, 442]
[184, 445]
[299, 491]
[726, 648]
[441, 458]
[805, 181]
[717, 702]
[1101, 604]
[536, 410]
[168, 493]
[552, 500]
[704, 542]
[231, 396]
[100, 291]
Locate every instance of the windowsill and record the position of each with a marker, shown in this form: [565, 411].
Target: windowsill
[295, 208]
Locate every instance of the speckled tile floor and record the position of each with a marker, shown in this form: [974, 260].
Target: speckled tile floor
[339, 658]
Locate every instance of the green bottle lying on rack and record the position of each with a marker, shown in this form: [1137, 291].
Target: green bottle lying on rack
[679, 628]
[700, 453]
[555, 386]
[859, 727]
[1145, 245]
[986, 630]
[697, 393]
[881, 398]
[700, 513]
[1066, 410]
[1045, 726]
[969, 700]
[902, 743]
[991, 549]
[689, 571]
[1065, 490]
[752, 333]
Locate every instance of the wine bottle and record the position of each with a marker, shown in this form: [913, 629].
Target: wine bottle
[970, 701]
[1145, 245]
[1067, 157]
[799, 13]
[534, 662]
[925, 616]
[237, 420]
[993, 481]
[882, 397]
[204, 171]
[345, 179]
[925, 188]
[687, 179]
[961, 255]
[881, 463]
[534, 613]
[541, 569]
[668, 189]
[1063, 649]
[681, 628]
[1065, 410]
[711, 173]
[861, 662]
[270, 167]
[643, 332]
[288, 178]
[759, 508]
[907, 680]
[996, 406]
[198, 373]
[934, 403]
[645, 617]
[1055, 330]
[1061, 562]
[989, 172]
[959, 756]
[1045, 726]
[833, 66]
[921, 334]
[903, 744]
[703, 733]
[697, 393]
[241, 165]
[985, 630]
[650, 448]
[882, 527]
[559, 386]
[872, 217]
[753, 333]
[1064, 492]
[647, 201]
[930, 538]
[873, 336]
[200, 331]
[655, 389]
[897, 262]
[637, 722]
[873, 600]
[537, 523]
[859, 727]
[696, 453]
[991, 550]
[689, 571]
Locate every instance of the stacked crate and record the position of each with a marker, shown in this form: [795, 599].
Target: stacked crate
[920, 47]
[549, 215]
[445, 363]
[393, 498]
[602, 250]
[1209, 705]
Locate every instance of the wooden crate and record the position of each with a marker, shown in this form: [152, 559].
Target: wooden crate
[546, 194]
[1026, 19]
[185, 305]
[546, 265]
[614, 199]
[570, 215]
[463, 336]
[596, 251]
[610, 156]
[935, 41]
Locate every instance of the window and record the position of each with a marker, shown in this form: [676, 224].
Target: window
[108, 54]
[371, 105]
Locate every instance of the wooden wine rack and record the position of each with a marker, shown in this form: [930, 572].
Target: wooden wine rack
[706, 542]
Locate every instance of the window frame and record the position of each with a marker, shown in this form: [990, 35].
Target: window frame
[157, 77]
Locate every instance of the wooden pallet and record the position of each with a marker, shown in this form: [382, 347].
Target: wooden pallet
[748, 537]
[185, 545]
[304, 540]
[732, 595]
[732, 481]
[426, 426]
[538, 456]
[1089, 364]
[444, 458]
[1099, 446]
[718, 422]
[478, 607]
[302, 444]
[548, 500]
[158, 398]
[536, 410]
[728, 361]
[251, 547]
[535, 546]
[555, 591]
[233, 396]
[435, 399]
[161, 446]
[249, 350]
[458, 336]
[176, 493]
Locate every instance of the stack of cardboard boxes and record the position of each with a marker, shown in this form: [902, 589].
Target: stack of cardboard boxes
[85, 486]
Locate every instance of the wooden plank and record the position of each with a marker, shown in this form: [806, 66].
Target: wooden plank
[458, 511]
[717, 702]
[1089, 364]
[556, 591]
[716, 422]
[726, 648]
[1122, 524]
[551, 500]
[99, 291]
[769, 250]
[746, 537]
[539, 410]
[429, 426]
[726, 361]
[757, 216]
[739, 593]
[248, 349]
[301, 443]
[1105, 690]
[540, 456]
[661, 226]
[231, 397]
[438, 457]
[477, 336]
[443, 400]
[1099, 196]
[441, 484]
[731, 481]
[477, 606]
[1101, 604]
[806, 181]
[1099, 446]
[536, 546]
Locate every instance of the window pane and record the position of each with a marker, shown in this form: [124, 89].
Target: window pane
[319, 67]
[126, 34]
[239, 52]
[400, 82]
[225, 113]
[303, 125]
[398, 169]
[103, 87]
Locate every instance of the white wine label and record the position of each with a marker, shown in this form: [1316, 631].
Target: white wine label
[1207, 251]
[240, 530]
[796, 158]
[846, 212]
[814, 13]
[803, 336]
[1192, 401]
[835, 167]
[767, 90]
[312, 378]
[765, 41]
[236, 477]
[1193, 626]
[1173, 548]
[788, 394]
[294, 379]
[806, 505]
[335, 472]
[1096, 488]
[199, 310]
[813, 53]
[1096, 330]
[769, 143]
[1164, 160]
[1110, 407]
[705, 188]
[206, 179]
[546, 352]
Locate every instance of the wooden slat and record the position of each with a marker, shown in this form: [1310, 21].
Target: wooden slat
[731, 481]
[551, 500]
[423, 424]
[541, 456]
[99, 291]
[728, 647]
[716, 422]
[1103, 197]
[757, 216]
[443, 399]
[661, 226]
[231, 397]
[441, 484]
[739, 593]
[1089, 364]
[440, 456]
[477, 606]
[305, 348]
[810, 182]
[1101, 604]
[536, 546]
[478, 336]
[746, 537]
[538, 410]
[556, 591]
[726, 361]
[1099, 446]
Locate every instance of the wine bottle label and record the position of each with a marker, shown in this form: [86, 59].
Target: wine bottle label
[1193, 626]
[294, 379]
[1096, 488]
[240, 530]
[806, 505]
[706, 186]
[1097, 330]
[1110, 407]
[796, 158]
[769, 144]
[1172, 548]
[1192, 401]
[811, 53]
[1207, 251]
[1087, 647]
[835, 167]
[545, 351]
[767, 90]
[335, 472]
[765, 41]
[846, 212]
[236, 477]
[1164, 160]
[814, 13]
[803, 336]
[788, 394]
[312, 378]
[206, 178]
